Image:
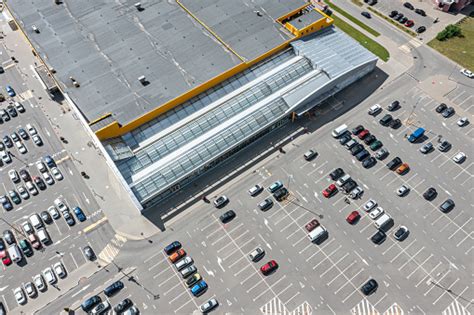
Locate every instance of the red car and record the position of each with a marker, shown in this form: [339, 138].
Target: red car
[5, 258]
[328, 192]
[311, 225]
[363, 134]
[269, 267]
[409, 23]
[353, 217]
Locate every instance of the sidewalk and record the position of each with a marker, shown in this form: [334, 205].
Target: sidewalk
[109, 193]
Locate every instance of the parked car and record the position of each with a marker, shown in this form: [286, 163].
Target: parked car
[440, 108]
[329, 191]
[123, 305]
[195, 278]
[385, 120]
[363, 134]
[428, 147]
[275, 186]
[448, 112]
[89, 253]
[338, 172]
[257, 254]
[353, 217]
[171, 248]
[265, 204]
[401, 233]
[375, 109]
[369, 162]
[227, 216]
[409, 23]
[396, 123]
[403, 190]
[447, 206]
[79, 214]
[393, 14]
[369, 287]
[420, 12]
[269, 267]
[430, 194]
[113, 288]
[10, 91]
[381, 154]
[393, 164]
[369, 139]
[255, 190]
[199, 288]
[208, 306]
[311, 225]
[30, 289]
[366, 14]
[357, 130]
[59, 270]
[403, 20]
[467, 73]
[378, 237]
[459, 158]
[377, 144]
[281, 194]
[463, 121]
[408, 5]
[369, 205]
[309, 155]
[49, 275]
[402, 169]
[444, 146]
[19, 296]
[420, 29]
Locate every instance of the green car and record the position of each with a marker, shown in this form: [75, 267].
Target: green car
[376, 145]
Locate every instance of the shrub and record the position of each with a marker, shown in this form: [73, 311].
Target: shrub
[449, 32]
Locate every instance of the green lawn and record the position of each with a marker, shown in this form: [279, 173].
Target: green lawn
[459, 49]
[365, 41]
[352, 18]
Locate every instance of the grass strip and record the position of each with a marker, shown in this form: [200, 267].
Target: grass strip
[352, 18]
[392, 21]
[365, 41]
[459, 49]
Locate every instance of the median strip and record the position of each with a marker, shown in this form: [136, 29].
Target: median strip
[352, 19]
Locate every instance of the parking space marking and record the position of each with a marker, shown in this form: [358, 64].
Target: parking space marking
[317, 168]
[347, 282]
[428, 275]
[178, 296]
[381, 299]
[402, 251]
[233, 252]
[249, 277]
[446, 291]
[267, 289]
[171, 289]
[291, 298]
[208, 226]
[433, 285]
[420, 265]
[327, 256]
[460, 228]
[163, 282]
[456, 308]
[345, 269]
[411, 258]
[235, 262]
[151, 257]
[161, 272]
[334, 265]
[182, 305]
[257, 284]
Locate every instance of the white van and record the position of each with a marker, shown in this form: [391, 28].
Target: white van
[317, 234]
[36, 221]
[343, 180]
[43, 236]
[382, 221]
[336, 133]
[14, 253]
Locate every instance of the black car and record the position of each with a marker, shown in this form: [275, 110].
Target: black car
[378, 237]
[8, 237]
[420, 12]
[366, 14]
[447, 206]
[403, 20]
[369, 287]
[113, 288]
[362, 155]
[39, 182]
[393, 106]
[338, 172]
[398, 16]
[266, 204]
[368, 163]
[430, 194]
[122, 306]
[408, 5]
[12, 111]
[393, 14]
[2, 245]
[420, 29]
[227, 216]
[89, 253]
[281, 194]
[385, 120]
[8, 142]
[356, 149]
[444, 146]
[344, 139]
[89, 304]
[448, 112]
[441, 107]
[349, 186]
[23, 134]
[396, 123]
[357, 130]
[369, 139]
[393, 164]
[25, 175]
[6, 203]
[372, 2]
[171, 248]
[46, 217]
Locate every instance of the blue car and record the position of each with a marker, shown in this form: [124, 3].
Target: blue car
[7, 205]
[10, 91]
[199, 288]
[49, 161]
[79, 214]
[171, 248]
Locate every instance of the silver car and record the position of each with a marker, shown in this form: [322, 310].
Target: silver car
[209, 305]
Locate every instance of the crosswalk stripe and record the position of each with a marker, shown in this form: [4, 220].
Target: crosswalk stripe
[364, 308]
[112, 249]
[276, 307]
[395, 309]
[456, 308]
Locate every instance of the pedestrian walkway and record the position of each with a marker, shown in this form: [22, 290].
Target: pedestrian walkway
[364, 307]
[275, 306]
[456, 308]
[395, 309]
[112, 249]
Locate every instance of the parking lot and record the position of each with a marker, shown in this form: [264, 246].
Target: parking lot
[67, 241]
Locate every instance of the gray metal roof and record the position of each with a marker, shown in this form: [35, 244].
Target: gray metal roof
[106, 45]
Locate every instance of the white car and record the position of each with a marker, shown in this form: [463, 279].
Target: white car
[209, 305]
[6, 157]
[27, 227]
[255, 190]
[37, 140]
[13, 176]
[54, 212]
[60, 205]
[356, 192]
[49, 275]
[21, 147]
[369, 205]
[462, 121]
[375, 109]
[39, 282]
[30, 289]
[186, 261]
[31, 188]
[467, 73]
[41, 167]
[47, 178]
[403, 190]
[19, 296]
[23, 192]
[377, 212]
[56, 173]
[60, 270]
[31, 129]
[459, 158]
